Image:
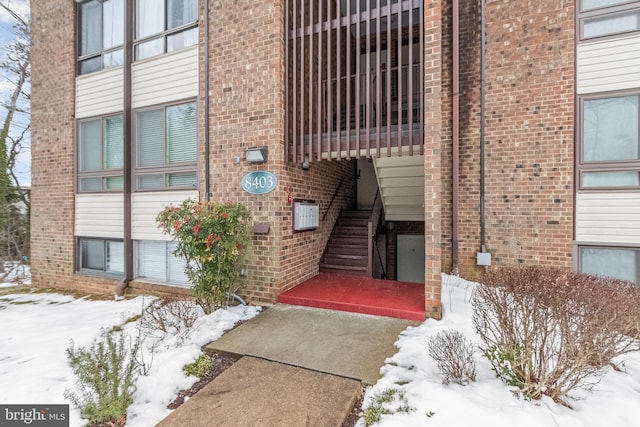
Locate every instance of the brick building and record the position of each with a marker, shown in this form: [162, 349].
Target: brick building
[526, 152]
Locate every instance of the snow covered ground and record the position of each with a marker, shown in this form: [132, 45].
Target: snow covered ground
[614, 402]
[36, 329]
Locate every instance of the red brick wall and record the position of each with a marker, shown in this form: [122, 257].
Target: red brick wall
[52, 127]
[529, 134]
[247, 109]
[433, 160]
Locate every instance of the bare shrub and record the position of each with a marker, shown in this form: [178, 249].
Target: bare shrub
[169, 316]
[549, 331]
[453, 354]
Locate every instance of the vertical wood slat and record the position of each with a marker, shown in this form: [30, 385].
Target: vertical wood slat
[378, 79]
[357, 79]
[329, 113]
[301, 122]
[290, 106]
[338, 81]
[410, 83]
[348, 82]
[316, 103]
[319, 83]
[310, 132]
[399, 68]
[389, 80]
[421, 78]
[368, 99]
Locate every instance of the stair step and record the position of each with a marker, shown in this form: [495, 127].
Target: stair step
[347, 249]
[355, 214]
[343, 272]
[346, 260]
[343, 267]
[341, 230]
[353, 222]
[349, 240]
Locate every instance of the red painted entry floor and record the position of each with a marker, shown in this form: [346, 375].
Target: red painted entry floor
[402, 300]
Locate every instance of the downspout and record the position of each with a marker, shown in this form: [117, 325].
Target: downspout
[207, 181]
[456, 137]
[127, 148]
[483, 66]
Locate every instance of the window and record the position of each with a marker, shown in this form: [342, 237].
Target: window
[600, 18]
[610, 142]
[100, 154]
[100, 35]
[164, 26]
[156, 262]
[619, 263]
[166, 147]
[101, 255]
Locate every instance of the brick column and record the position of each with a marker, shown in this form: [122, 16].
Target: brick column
[433, 157]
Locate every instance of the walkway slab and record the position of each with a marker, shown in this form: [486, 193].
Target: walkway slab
[334, 342]
[255, 392]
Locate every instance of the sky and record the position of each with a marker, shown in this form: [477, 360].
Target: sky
[7, 35]
[42, 376]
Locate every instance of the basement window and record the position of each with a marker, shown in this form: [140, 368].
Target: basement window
[101, 255]
[618, 263]
[155, 262]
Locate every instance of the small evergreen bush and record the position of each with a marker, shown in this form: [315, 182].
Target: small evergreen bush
[549, 331]
[200, 368]
[453, 354]
[389, 401]
[106, 375]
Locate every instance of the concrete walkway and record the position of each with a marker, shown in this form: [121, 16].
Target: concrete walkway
[301, 367]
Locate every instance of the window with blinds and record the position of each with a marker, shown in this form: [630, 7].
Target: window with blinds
[166, 147]
[100, 256]
[354, 71]
[156, 263]
[100, 154]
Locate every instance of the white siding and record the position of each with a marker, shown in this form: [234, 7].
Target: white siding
[100, 215]
[147, 206]
[165, 78]
[608, 218]
[100, 93]
[608, 65]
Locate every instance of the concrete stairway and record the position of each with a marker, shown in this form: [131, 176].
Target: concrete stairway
[347, 249]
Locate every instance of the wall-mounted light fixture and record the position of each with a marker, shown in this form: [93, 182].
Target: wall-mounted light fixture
[305, 163]
[256, 154]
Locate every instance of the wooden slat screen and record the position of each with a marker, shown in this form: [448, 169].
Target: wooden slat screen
[354, 74]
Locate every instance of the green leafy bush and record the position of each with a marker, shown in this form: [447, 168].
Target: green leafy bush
[213, 239]
[549, 331]
[106, 375]
[200, 368]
